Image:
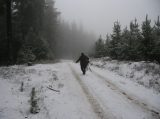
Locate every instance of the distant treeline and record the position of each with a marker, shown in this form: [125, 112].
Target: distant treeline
[73, 39]
[134, 43]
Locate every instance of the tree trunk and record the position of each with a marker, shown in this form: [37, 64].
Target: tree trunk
[9, 32]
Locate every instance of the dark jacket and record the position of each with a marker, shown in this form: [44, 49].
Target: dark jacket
[84, 60]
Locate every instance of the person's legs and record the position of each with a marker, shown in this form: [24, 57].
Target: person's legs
[85, 66]
[83, 69]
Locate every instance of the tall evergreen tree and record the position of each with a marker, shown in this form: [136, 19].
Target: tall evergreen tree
[2, 7]
[3, 42]
[107, 44]
[147, 40]
[115, 43]
[9, 31]
[5, 32]
[156, 30]
[125, 44]
[99, 48]
[134, 40]
[50, 25]
[156, 36]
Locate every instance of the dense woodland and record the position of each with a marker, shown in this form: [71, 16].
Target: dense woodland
[31, 30]
[27, 30]
[136, 43]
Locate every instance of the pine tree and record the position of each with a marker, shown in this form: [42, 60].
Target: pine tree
[157, 30]
[147, 40]
[116, 36]
[9, 31]
[134, 40]
[156, 36]
[3, 42]
[107, 43]
[50, 25]
[7, 40]
[99, 48]
[115, 43]
[2, 7]
[125, 44]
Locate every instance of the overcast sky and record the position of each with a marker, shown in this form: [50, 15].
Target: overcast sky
[99, 15]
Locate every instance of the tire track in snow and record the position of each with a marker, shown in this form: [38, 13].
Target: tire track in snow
[155, 112]
[94, 103]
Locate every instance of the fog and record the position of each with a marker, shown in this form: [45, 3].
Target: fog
[99, 15]
[72, 40]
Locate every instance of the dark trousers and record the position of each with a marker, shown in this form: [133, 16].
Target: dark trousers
[83, 68]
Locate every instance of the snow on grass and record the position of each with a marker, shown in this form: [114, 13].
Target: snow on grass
[17, 104]
[65, 101]
[146, 74]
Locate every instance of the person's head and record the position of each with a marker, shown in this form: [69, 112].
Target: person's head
[82, 54]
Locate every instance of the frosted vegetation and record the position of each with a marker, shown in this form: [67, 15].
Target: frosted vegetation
[144, 73]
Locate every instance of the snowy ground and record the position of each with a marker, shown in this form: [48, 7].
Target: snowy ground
[100, 94]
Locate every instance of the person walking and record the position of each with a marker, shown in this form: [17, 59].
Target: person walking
[84, 60]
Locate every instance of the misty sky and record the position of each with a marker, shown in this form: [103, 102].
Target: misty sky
[99, 15]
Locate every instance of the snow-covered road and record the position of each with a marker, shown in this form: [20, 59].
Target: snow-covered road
[99, 94]
[114, 102]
